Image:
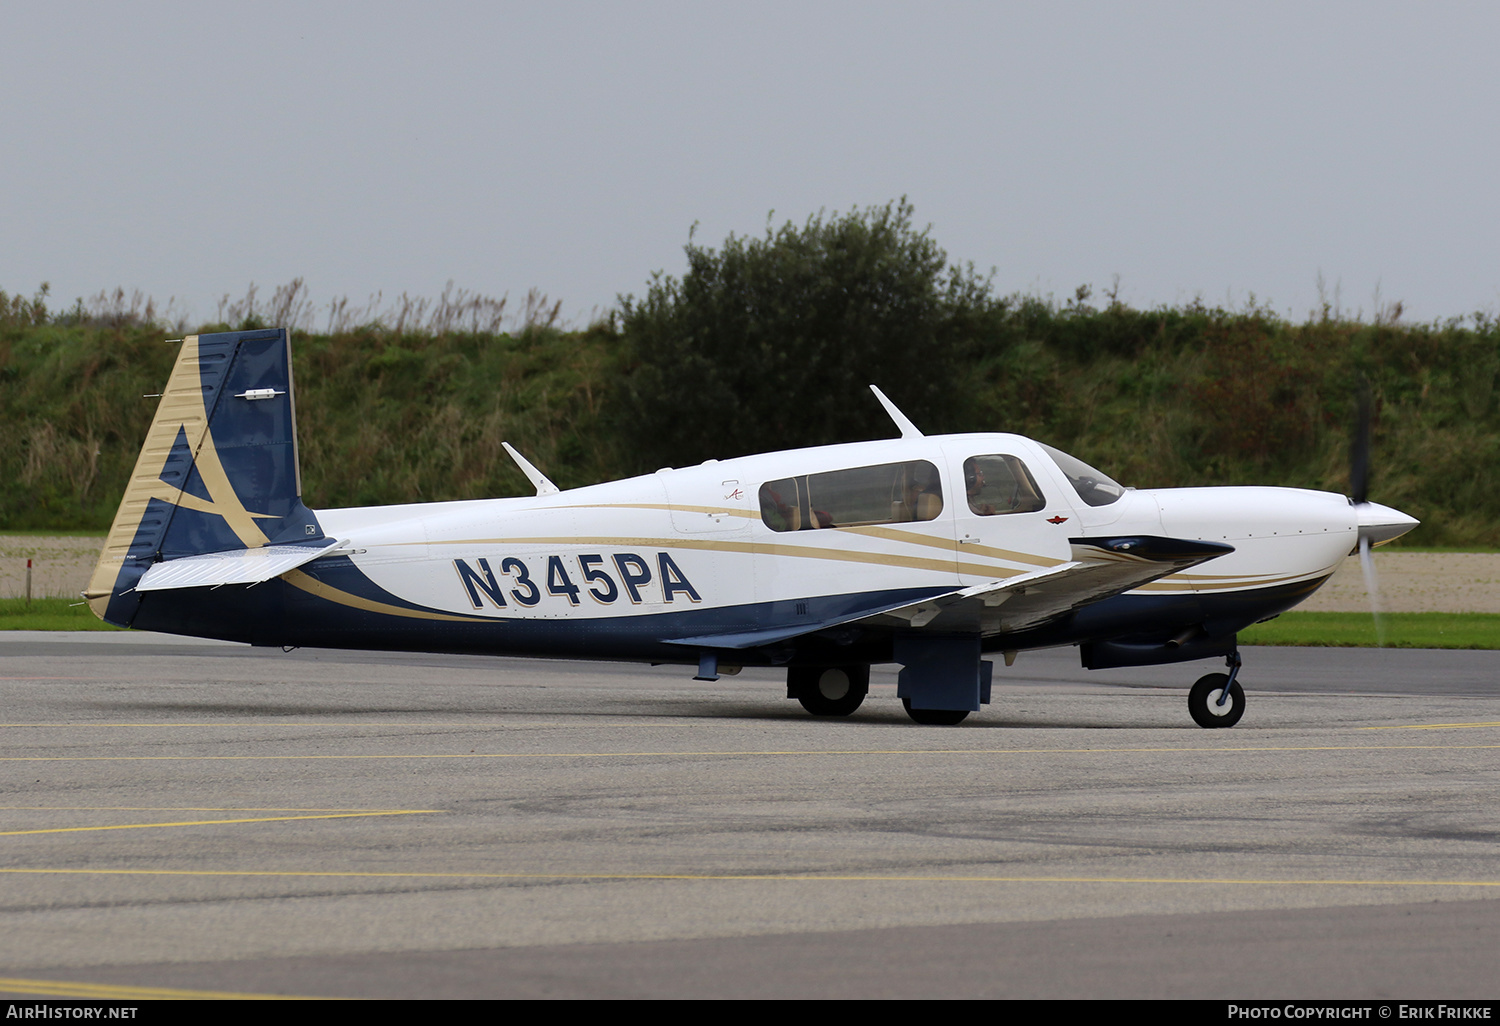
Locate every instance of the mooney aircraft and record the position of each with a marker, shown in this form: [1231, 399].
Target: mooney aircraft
[925, 551]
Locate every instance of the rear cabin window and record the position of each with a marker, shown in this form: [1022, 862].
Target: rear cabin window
[891, 493]
[1000, 484]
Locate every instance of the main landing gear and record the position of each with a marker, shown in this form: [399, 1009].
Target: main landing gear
[829, 690]
[934, 717]
[1217, 700]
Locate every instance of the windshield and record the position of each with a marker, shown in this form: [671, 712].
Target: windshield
[1093, 486]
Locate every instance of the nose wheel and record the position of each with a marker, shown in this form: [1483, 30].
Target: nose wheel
[1217, 700]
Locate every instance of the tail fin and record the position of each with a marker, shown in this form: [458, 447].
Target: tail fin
[218, 471]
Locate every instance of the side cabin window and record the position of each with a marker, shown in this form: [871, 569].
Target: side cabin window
[891, 493]
[1000, 484]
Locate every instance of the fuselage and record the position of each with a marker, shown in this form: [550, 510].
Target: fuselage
[628, 569]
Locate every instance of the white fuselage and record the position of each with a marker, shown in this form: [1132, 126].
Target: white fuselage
[696, 537]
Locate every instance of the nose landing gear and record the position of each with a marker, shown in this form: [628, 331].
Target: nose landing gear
[1217, 700]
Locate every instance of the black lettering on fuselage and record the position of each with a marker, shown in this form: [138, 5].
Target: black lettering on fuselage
[633, 578]
[673, 579]
[483, 580]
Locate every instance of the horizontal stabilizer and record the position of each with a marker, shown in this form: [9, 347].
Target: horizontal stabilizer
[240, 566]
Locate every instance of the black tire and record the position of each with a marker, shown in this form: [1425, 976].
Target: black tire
[1203, 701]
[934, 717]
[829, 690]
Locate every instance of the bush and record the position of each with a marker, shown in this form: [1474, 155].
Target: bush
[769, 343]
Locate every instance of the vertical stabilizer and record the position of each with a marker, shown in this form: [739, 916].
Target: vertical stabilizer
[218, 471]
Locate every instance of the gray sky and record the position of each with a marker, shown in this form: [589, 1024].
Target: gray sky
[1213, 149]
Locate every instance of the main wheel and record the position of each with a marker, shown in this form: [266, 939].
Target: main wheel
[829, 690]
[1203, 701]
[934, 717]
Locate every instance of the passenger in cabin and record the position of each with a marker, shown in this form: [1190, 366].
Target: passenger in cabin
[927, 499]
[974, 485]
[1000, 484]
[776, 512]
[853, 497]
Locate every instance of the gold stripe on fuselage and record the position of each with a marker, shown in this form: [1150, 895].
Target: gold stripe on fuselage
[313, 586]
[1223, 583]
[751, 548]
[868, 530]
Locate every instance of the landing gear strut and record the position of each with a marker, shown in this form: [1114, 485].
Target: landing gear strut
[1217, 700]
[828, 690]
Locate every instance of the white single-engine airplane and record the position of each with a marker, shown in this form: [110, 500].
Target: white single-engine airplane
[928, 552]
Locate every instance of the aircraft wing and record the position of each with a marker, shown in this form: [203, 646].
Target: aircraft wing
[1100, 568]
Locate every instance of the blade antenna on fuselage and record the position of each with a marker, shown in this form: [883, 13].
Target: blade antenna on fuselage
[544, 485]
[908, 429]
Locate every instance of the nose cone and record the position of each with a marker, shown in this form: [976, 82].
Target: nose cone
[1379, 524]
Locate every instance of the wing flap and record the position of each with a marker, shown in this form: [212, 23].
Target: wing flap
[241, 566]
[772, 635]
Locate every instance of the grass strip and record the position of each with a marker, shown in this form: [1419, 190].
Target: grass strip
[49, 614]
[1357, 630]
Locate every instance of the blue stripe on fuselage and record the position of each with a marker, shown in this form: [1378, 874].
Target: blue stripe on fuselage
[277, 613]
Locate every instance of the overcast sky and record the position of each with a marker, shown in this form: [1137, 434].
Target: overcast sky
[1192, 149]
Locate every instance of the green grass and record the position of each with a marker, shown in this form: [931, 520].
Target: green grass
[1402, 630]
[49, 614]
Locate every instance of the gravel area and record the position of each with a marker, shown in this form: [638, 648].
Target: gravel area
[1416, 582]
[1410, 582]
[61, 564]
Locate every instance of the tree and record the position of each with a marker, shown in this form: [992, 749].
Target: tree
[769, 343]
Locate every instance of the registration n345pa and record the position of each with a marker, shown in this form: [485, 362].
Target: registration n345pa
[930, 552]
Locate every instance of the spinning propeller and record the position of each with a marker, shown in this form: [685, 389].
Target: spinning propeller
[1359, 488]
[1377, 523]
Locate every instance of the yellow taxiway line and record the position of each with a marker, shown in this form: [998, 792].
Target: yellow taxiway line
[1432, 726]
[214, 822]
[116, 992]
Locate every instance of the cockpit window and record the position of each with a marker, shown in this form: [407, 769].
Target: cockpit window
[1000, 484]
[886, 494]
[1093, 487]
